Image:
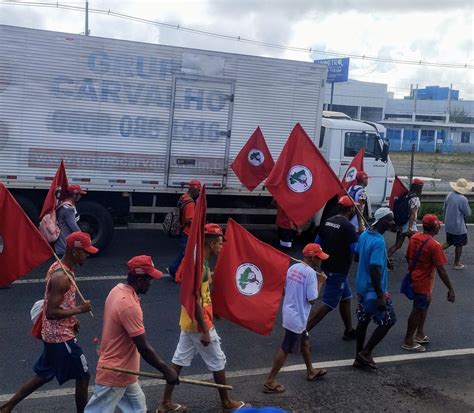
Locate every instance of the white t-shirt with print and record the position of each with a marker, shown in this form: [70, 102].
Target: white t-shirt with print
[301, 288]
[413, 203]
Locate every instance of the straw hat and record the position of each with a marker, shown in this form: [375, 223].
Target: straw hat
[462, 186]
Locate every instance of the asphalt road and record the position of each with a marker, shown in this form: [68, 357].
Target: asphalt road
[438, 384]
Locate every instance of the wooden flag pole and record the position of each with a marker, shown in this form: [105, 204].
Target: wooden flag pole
[71, 278]
[157, 376]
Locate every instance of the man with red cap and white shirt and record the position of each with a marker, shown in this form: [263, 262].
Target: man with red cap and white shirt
[67, 217]
[301, 292]
[62, 356]
[431, 258]
[186, 205]
[359, 194]
[200, 336]
[123, 341]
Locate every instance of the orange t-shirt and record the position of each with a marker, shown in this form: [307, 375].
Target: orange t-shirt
[187, 212]
[123, 319]
[431, 256]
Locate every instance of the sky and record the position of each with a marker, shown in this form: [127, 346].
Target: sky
[437, 31]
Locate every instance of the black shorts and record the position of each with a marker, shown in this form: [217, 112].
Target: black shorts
[456, 240]
[286, 235]
[292, 341]
[65, 361]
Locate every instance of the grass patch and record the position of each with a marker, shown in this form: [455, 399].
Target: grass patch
[437, 209]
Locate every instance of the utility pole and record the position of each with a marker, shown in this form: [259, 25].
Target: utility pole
[415, 97]
[86, 32]
[448, 114]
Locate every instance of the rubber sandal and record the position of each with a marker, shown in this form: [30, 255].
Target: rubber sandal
[366, 362]
[417, 348]
[241, 406]
[276, 389]
[424, 340]
[459, 267]
[319, 374]
[178, 408]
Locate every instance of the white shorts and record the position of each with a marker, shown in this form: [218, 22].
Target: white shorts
[189, 344]
[404, 228]
[129, 399]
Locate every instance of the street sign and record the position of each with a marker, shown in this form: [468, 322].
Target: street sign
[338, 69]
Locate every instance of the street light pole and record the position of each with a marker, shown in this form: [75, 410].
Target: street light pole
[86, 32]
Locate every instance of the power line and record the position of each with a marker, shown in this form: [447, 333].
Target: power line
[239, 39]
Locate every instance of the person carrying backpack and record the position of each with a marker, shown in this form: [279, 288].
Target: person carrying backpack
[187, 203]
[67, 217]
[405, 213]
[359, 194]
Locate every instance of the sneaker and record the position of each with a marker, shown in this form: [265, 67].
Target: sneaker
[348, 336]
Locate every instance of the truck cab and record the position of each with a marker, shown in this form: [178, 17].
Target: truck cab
[342, 137]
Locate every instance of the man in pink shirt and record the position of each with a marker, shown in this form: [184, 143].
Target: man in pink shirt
[123, 341]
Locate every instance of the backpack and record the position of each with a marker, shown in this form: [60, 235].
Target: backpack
[401, 209]
[49, 227]
[172, 221]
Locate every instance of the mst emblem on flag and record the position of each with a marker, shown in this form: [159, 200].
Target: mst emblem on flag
[299, 178]
[351, 174]
[256, 157]
[249, 279]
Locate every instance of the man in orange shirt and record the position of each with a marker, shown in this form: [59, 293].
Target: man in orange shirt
[431, 259]
[186, 205]
[123, 341]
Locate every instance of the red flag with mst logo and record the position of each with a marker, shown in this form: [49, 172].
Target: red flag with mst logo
[356, 165]
[301, 180]
[248, 280]
[398, 189]
[254, 161]
[56, 191]
[22, 247]
[190, 271]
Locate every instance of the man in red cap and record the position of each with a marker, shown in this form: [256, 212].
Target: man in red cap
[359, 194]
[123, 341]
[431, 258]
[186, 205]
[62, 356]
[406, 214]
[67, 217]
[339, 239]
[200, 336]
[301, 292]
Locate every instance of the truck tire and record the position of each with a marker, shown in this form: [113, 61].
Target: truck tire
[29, 207]
[97, 222]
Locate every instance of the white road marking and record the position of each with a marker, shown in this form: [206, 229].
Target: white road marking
[257, 372]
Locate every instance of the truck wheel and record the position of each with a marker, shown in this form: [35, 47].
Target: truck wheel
[97, 222]
[29, 207]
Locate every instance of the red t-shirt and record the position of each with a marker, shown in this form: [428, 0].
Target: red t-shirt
[187, 212]
[431, 256]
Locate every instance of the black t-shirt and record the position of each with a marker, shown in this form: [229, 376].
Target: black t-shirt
[336, 236]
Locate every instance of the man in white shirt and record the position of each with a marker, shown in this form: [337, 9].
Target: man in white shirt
[303, 280]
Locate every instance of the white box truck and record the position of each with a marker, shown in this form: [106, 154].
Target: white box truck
[134, 122]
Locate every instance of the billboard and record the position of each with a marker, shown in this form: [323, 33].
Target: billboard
[338, 69]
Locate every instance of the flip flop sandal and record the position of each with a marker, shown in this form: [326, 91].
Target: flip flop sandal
[241, 406]
[277, 389]
[424, 340]
[178, 408]
[417, 348]
[319, 374]
[367, 363]
[459, 267]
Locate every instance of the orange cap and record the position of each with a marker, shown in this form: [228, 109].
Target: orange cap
[312, 250]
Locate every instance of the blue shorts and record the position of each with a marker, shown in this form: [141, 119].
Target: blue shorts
[336, 290]
[65, 361]
[367, 310]
[421, 301]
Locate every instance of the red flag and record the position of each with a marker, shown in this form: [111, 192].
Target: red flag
[190, 271]
[56, 191]
[248, 280]
[254, 161]
[22, 247]
[356, 165]
[302, 181]
[398, 189]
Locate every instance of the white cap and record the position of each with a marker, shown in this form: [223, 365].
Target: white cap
[381, 213]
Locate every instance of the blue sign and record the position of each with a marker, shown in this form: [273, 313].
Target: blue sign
[338, 69]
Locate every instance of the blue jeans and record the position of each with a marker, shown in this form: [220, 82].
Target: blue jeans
[182, 241]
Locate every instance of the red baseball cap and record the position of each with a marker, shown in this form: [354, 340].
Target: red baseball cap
[75, 189]
[417, 181]
[213, 229]
[143, 265]
[312, 250]
[195, 184]
[362, 175]
[346, 201]
[81, 240]
[431, 220]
